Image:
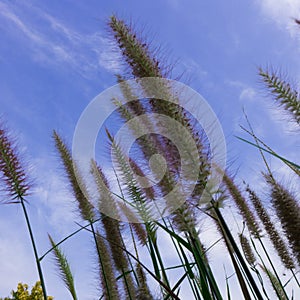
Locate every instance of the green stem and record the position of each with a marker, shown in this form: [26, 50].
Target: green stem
[34, 249]
[165, 278]
[66, 238]
[273, 267]
[135, 250]
[295, 277]
[126, 284]
[146, 268]
[236, 267]
[184, 260]
[237, 251]
[204, 269]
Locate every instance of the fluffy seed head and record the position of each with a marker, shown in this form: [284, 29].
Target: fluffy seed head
[12, 173]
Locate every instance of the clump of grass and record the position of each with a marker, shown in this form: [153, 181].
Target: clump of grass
[121, 273]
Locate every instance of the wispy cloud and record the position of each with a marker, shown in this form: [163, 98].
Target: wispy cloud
[282, 12]
[248, 94]
[53, 42]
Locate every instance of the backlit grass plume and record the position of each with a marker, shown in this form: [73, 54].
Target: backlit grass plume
[276, 239]
[85, 207]
[284, 94]
[16, 184]
[135, 51]
[112, 228]
[242, 205]
[288, 211]
[250, 257]
[109, 286]
[13, 175]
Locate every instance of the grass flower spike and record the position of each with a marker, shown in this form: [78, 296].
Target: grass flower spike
[12, 172]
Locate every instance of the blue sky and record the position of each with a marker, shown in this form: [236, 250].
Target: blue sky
[56, 57]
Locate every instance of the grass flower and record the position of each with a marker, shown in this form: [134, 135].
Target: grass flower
[272, 232]
[85, 207]
[242, 205]
[284, 94]
[288, 211]
[16, 182]
[17, 186]
[64, 268]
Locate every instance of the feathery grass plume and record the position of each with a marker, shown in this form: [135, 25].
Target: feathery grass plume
[85, 207]
[138, 208]
[64, 268]
[17, 187]
[250, 257]
[16, 182]
[143, 291]
[138, 228]
[135, 51]
[139, 205]
[137, 54]
[135, 107]
[277, 241]
[109, 284]
[288, 211]
[185, 220]
[284, 94]
[138, 200]
[142, 180]
[87, 213]
[106, 203]
[242, 205]
[112, 228]
[149, 143]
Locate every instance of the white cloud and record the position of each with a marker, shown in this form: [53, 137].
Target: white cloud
[53, 42]
[247, 94]
[282, 12]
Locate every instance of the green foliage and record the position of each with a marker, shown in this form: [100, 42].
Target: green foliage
[23, 293]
